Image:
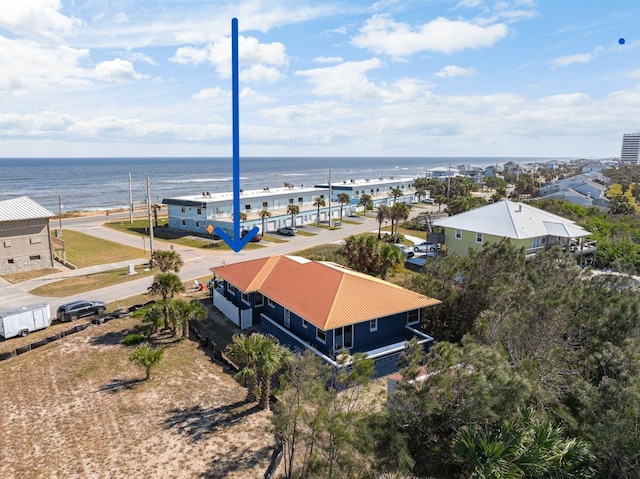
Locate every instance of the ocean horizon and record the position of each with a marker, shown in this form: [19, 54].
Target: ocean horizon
[101, 183]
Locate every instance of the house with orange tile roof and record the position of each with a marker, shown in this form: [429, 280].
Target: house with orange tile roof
[322, 306]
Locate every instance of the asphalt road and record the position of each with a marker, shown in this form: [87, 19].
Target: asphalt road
[197, 262]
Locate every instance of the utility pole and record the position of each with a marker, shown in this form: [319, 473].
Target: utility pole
[330, 195]
[150, 222]
[60, 216]
[130, 202]
[449, 181]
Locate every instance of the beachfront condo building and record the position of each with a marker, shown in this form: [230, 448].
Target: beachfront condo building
[630, 148]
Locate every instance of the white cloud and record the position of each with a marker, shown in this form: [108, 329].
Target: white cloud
[252, 96]
[383, 35]
[455, 71]
[140, 57]
[40, 18]
[189, 56]
[260, 74]
[26, 65]
[347, 80]
[117, 70]
[570, 59]
[212, 93]
[328, 59]
[121, 17]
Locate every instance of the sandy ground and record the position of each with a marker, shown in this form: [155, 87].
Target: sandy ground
[78, 408]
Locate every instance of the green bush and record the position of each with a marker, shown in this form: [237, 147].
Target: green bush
[133, 339]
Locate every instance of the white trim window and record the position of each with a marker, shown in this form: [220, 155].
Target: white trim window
[245, 298]
[373, 325]
[305, 324]
[413, 316]
[321, 335]
[343, 338]
[231, 288]
[479, 238]
[287, 318]
[458, 234]
[271, 303]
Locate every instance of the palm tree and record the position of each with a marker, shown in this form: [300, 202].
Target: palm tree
[420, 192]
[188, 311]
[147, 357]
[272, 357]
[343, 199]
[166, 285]
[293, 210]
[319, 202]
[244, 350]
[390, 257]
[153, 314]
[395, 193]
[366, 200]
[155, 209]
[399, 212]
[383, 214]
[167, 260]
[263, 215]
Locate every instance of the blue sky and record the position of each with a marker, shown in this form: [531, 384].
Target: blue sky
[342, 78]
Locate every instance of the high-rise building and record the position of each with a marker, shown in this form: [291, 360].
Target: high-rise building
[630, 148]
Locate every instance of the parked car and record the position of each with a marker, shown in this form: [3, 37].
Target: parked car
[287, 231]
[408, 252]
[257, 237]
[425, 247]
[428, 201]
[79, 309]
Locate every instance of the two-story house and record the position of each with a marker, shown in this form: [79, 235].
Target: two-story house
[532, 228]
[323, 307]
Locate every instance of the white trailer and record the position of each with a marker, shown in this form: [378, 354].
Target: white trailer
[22, 321]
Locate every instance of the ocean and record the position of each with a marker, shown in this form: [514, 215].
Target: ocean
[82, 184]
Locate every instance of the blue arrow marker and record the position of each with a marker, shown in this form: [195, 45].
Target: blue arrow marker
[237, 243]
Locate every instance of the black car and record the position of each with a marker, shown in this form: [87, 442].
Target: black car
[79, 309]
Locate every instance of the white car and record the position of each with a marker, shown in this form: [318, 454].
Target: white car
[406, 250]
[426, 247]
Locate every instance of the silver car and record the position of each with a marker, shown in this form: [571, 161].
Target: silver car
[426, 247]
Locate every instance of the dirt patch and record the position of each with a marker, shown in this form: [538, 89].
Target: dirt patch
[78, 408]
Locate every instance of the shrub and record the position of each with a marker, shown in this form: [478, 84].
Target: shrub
[133, 339]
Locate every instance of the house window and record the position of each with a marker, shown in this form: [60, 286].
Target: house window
[247, 207]
[184, 222]
[413, 317]
[305, 325]
[458, 234]
[265, 204]
[197, 224]
[7, 244]
[258, 299]
[270, 303]
[245, 298]
[35, 257]
[300, 200]
[290, 201]
[199, 211]
[343, 338]
[322, 196]
[478, 237]
[287, 318]
[231, 288]
[373, 325]
[321, 335]
[35, 240]
[34, 222]
[183, 210]
[10, 261]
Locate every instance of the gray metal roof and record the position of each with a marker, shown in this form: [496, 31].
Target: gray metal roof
[22, 208]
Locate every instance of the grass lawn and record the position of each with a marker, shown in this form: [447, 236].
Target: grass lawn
[85, 250]
[141, 227]
[78, 408]
[26, 275]
[90, 282]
